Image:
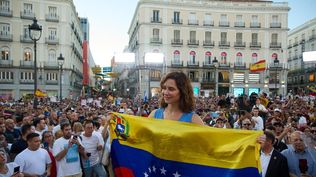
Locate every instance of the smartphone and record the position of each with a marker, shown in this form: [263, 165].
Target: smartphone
[303, 165]
[16, 169]
[75, 137]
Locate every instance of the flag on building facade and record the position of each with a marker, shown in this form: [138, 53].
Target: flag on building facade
[258, 66]
[145, 147]
[40, 93]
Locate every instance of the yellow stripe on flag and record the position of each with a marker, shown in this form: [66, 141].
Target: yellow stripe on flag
[258, 66]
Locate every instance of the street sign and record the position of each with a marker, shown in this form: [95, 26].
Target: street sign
[106, 69]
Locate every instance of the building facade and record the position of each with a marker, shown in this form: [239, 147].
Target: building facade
[61, 34]
[192, 34]
[301, 39]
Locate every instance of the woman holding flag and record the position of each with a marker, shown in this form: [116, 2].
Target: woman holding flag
[177, 101]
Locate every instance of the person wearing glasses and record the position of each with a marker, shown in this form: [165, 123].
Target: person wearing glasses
[247, 124]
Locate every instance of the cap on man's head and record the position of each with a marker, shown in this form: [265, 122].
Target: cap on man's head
[277, 110]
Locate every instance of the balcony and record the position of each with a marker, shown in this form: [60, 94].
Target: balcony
[51, 65]
[224, 65]
[194, 79]
[26, 81]
[275, 25]
[289, 46]
[295, 57]
[177, 42]
[208, 43]
[26, 64]
[155, 79]
[273, 81]
[240, 24]
[193, 42]
[51, 82]
[275, 45]
[255, 44]
[240, 44]
[273, 66]
[6, 63]
[208, 23]
[240, 65]
[175, 63]
[26, 39]
[295, 44]
[255, 25]
[51, 41]
[208, 80]
[156, 40]
[6, 12]
[6, 37]
[192, 64]
[177, 21]
[224, 44]
[193, 22]
[156, 20]
[223, 23]
[6, 81]
[208, 64]
[27, 15]
[52, 18]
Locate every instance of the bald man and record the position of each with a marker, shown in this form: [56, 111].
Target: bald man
[299, 157]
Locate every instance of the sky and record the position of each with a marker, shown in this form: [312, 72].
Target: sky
[110, 19]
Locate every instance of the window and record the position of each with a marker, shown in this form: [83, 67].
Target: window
[6, 75]
[254, 38]
[156, 33]
[25, 31]
[176, 57]
[274, 38]
[52, 33]
[312, 47]
[5, 5]
[303, 36]
[5, 53]
[275, 19]
[176, 17]
[208, 19]
[254, 58]
[238, 18]
[223, 17]
[52, 55]
[27, 55]
[223, 37]
[223, 58]
[238, 38]
[4, 29]
[239, 58]
[192, 18]
[52, 11]
[176, 34]
[155, 17]
[192, 36]
[254, 19]
[208, 36]
[27, 8]
[51, 76]
[208, 57]
[26, 76]
[192, 57]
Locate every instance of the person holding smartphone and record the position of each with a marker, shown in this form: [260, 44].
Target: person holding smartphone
[8, 169]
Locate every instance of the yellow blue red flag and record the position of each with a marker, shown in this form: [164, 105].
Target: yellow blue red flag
[145, 147]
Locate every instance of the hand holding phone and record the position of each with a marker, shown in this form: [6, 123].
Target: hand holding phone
[16, 169]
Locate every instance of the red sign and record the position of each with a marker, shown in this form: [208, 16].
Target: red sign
[274, 55]
[176, 52]
[254, 55]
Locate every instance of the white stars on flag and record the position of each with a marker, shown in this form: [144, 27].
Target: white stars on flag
[176, 174]
[163, 171]
[153, 171]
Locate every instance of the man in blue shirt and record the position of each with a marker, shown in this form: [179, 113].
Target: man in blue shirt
[299, 158]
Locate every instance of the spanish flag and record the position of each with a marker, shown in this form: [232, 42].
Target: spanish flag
[259, 66]
[153, 147]
[40, 93]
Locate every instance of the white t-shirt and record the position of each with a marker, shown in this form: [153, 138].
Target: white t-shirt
[70, 164]
[91, 143]
[259, 123]
[33, 162]
[10, 172]
[302, 120]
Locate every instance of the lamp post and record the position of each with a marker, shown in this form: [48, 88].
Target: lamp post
[61, 61]
[276, 65]
[215, 62]
[127, 91]
[35, 33]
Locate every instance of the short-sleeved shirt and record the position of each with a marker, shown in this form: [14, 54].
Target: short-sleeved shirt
[185, 117]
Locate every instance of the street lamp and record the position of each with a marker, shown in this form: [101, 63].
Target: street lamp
[61, 61]
[127, 91]
[276, 65]
[35, 33]
[215, 62]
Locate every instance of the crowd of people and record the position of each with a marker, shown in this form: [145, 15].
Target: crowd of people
[70, 138]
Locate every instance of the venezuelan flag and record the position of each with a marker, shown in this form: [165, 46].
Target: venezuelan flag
[145, 147]
[258, 66]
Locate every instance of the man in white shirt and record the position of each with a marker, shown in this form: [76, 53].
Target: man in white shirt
[34, 161]
[257, 119]
[66, 150]
[93, 145]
